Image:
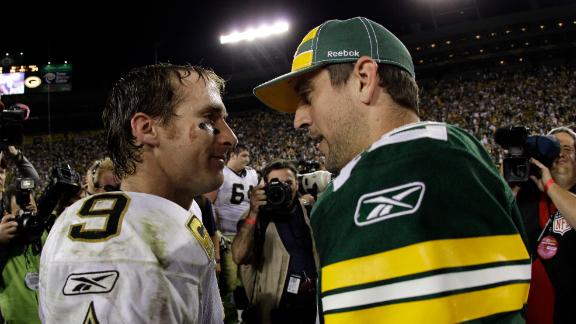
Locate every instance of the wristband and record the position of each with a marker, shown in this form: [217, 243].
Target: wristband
[250, 221]
[548, 184]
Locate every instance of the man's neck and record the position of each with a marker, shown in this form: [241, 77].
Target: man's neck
[236, 169]
[142, 183]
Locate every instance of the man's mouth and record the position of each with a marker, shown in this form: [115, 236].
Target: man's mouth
[220, 157]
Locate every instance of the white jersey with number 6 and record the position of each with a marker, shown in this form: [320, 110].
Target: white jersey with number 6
[124, 257]
[232, 199]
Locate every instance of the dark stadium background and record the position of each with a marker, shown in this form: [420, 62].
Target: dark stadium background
[449, 39]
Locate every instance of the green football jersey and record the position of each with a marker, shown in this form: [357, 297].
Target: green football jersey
[420, 228]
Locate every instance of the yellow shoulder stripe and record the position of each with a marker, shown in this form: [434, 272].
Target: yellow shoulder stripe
[422, 257]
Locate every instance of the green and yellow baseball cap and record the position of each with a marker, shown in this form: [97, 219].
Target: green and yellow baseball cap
[334, 41]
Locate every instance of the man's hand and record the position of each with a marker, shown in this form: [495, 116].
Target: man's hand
[8, 228]
[307, 200]
[12, 153]
[545, 174]
[257, 199]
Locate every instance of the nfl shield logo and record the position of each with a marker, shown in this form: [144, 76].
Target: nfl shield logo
[560, 225]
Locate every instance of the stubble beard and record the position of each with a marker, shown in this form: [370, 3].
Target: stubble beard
[344, 148]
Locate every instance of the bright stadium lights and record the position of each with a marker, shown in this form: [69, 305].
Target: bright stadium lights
[253, 33]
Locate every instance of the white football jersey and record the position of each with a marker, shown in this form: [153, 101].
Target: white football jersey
[232, 199]
[125, 257]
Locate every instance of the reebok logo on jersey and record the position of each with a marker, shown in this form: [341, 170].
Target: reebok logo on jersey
[90, 283]
[389, 203]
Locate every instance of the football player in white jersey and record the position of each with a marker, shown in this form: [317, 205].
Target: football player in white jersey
[138, 255]
[231, 200]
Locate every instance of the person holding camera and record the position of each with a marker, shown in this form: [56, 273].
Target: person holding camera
[418, 226]
[275, 248]
[549, 215]
[19, 257]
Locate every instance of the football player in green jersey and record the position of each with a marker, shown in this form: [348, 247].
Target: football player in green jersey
[418, 226]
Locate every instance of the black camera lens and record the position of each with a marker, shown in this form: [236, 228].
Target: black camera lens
[278, 195]
[30, 226]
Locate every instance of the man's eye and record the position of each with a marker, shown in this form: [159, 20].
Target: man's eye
[306, 98]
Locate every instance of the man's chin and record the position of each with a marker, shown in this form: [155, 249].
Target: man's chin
[218, 181]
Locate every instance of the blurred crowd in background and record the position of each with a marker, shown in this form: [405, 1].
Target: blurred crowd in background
[540, 99]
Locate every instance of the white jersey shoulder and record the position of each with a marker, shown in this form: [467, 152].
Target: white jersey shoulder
[128, 258]
[233, 198]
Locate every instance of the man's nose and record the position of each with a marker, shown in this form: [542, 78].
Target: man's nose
[226, 136]
[302, 117]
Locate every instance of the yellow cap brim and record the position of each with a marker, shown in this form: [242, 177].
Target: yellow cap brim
[279, 93]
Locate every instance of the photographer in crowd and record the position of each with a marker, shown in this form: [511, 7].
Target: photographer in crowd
[19, 258]
[274, 242]
[550, 218]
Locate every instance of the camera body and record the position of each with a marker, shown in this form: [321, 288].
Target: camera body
[308, 166]
[278, 195]
[521, 147]
[63, 183]
[30, 225]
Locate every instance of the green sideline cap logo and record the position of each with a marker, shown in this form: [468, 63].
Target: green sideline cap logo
[335, 41]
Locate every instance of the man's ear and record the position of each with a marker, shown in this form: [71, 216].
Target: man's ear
[144, 128]
[366, 70]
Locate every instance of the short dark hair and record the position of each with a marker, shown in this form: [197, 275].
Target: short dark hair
[278, 165]
[237, 149]
[401, 86]
[152, 90]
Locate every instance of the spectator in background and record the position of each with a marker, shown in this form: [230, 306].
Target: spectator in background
[19, 257]
[100, 177]
[152, 259]
[231, 200]
[550, 219]
[406, 190]
[274, 245]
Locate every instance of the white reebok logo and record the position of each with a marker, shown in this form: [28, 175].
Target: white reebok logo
[389, 203]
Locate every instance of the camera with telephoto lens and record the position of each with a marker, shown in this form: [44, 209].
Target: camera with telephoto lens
[308, 166]
[314, 183]
[521, 147]
[63, 183]
[278, 195]
[30, 225]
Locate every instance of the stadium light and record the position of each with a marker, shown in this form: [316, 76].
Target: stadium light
[253, 33]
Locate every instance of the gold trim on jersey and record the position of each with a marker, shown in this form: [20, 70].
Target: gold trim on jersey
[90, 317]
[201, 234]
[422, 257]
